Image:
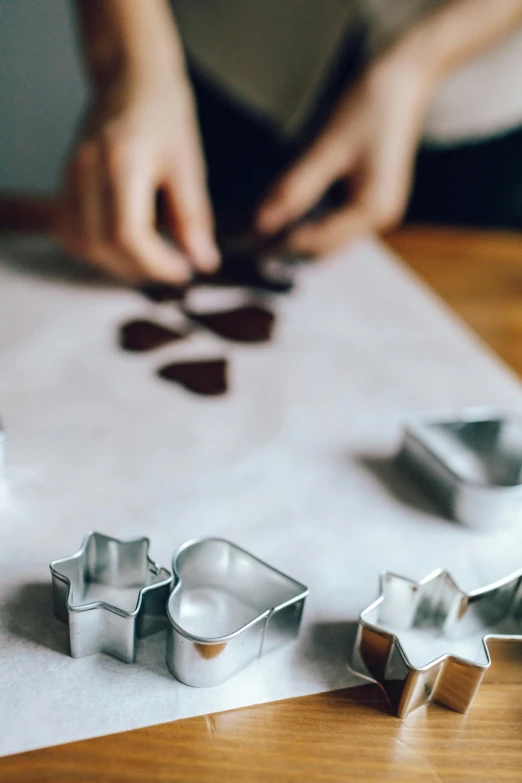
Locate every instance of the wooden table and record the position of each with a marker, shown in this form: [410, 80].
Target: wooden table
[349, 734]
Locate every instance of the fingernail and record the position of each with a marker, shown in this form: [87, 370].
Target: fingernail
[205, 252]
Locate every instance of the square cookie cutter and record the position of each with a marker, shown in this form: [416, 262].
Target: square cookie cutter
[110, 593]
[227, 609]
[471, 463]
[428, 641]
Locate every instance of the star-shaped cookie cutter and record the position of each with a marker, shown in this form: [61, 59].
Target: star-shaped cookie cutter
[110, 593]
[442, 625]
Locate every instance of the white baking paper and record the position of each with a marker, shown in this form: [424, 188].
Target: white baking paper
[293, 465]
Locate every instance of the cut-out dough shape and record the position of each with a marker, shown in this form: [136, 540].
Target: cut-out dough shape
[207, 377]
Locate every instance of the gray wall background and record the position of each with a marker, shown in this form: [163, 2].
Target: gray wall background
[42, 91]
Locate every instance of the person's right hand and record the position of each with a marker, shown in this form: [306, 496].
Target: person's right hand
[135, 143]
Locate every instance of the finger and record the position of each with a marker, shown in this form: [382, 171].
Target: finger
[90, 183]
[190, 211]
[325, 236]
[130, 220]
[301, 188]
[380, 198]
[104, 259]
[389, 185]
[79, 224]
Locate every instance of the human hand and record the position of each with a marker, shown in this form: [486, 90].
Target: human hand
[370, 142]
[137, 141]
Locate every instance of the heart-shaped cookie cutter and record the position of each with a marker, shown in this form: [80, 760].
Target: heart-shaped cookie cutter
[227, 609]
[109, 593]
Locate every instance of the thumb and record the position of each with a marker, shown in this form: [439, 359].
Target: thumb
[305, 182]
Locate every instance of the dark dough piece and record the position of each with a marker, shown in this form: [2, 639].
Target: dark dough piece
[163, 292]
[201, 377]
[141, 335]
[247, 324]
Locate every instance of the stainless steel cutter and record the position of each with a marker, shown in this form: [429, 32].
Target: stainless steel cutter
[471, 462]
[227, 609]
[428, 641]
[110, 593]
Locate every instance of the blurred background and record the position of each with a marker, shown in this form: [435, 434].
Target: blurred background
[43, 90]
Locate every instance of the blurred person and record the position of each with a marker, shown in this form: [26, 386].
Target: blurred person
[281, 103]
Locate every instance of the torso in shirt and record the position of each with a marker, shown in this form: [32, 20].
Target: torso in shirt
[274, 57]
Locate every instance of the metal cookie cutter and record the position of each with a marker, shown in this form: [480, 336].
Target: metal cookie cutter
[227, 609]
[428, 641]
[472, 464]
[110, 593]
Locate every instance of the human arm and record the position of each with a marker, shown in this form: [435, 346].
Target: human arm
[370, 139]
[140, 136]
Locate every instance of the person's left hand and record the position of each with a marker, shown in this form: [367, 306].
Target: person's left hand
[370, 141]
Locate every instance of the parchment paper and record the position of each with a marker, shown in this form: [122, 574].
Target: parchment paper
[293, 465]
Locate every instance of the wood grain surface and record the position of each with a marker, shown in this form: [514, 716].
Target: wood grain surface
[346, 735]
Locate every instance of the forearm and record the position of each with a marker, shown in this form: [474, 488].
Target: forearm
[133, 39]
[455, 33]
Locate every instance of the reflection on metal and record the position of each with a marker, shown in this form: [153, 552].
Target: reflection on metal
[227, 609]
[429, 641]
[110, 593]
[471, 462]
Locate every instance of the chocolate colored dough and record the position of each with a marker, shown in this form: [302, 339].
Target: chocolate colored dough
[244, 268]
[163, 292]
[208, 377]
[246, 324]
[142, 335]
